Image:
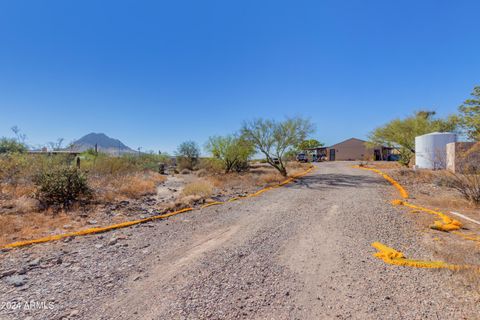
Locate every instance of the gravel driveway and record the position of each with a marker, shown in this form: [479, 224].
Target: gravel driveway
[298, 252]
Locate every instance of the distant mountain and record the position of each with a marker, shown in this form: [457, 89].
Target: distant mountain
[104, 144]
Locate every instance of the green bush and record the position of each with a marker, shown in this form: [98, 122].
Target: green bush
[11, 146]
[61, 187]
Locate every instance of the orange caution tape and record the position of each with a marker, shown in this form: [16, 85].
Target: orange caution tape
[394, 257]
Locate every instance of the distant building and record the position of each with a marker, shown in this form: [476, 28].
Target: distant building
[352, 149]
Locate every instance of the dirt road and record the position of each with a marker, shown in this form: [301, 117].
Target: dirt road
[298, 252]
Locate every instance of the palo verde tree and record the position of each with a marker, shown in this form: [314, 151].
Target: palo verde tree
[469, 116]
[401, 133]
[309, 144]
[234, 151]
[274, 139]
[188, 153]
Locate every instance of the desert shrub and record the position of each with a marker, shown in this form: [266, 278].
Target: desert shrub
[104, 164]
[185, 171]
[107, 165]
[198, 188]
[13, 167]
[148, 161]
[11, 146]
[443, 180]
[211, 165]
[233, 151]
[60, 187]
[241, 166]
[201, 173]
[468, 184]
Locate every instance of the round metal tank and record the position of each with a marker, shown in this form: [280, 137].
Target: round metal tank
[430, 149]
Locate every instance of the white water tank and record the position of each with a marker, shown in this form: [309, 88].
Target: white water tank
[431, 149]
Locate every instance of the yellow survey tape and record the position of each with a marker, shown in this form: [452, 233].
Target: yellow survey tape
[446, 224]
[92, 230]
[397, 185]
[211, 204]
[471, 237]
[394, 257]
[134, 222]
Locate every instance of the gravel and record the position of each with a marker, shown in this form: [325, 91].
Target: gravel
[298, 252]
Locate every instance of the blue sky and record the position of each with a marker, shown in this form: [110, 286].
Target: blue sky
[156, 73]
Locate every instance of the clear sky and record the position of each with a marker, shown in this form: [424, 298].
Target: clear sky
[156, 73]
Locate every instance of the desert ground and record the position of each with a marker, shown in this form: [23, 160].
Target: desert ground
[302, 251]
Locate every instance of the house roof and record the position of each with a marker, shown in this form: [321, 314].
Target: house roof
[336, 144]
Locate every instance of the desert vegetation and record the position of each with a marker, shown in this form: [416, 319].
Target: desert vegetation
[44, 192]
[400, 133]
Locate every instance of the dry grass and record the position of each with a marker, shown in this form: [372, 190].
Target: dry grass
[201, 188]
[453, 249]
[15, 227]
[131, 186]
[232, 181]
[384, 164]
[260, 175]
[432, 189]
[410, 176]
[17, 191]
[271, 178]
[26, 204]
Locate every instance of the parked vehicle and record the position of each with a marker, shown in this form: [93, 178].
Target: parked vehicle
[302, 157]
[393, 157]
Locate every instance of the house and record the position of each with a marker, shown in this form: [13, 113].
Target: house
[352, 149]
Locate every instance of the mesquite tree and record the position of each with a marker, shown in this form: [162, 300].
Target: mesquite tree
[275, 138]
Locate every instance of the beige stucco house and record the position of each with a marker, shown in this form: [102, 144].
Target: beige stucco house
[353, 149]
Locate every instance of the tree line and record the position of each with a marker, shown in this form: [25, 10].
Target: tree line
[277, 141]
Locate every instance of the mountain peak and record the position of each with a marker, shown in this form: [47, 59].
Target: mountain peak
[104, 144]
